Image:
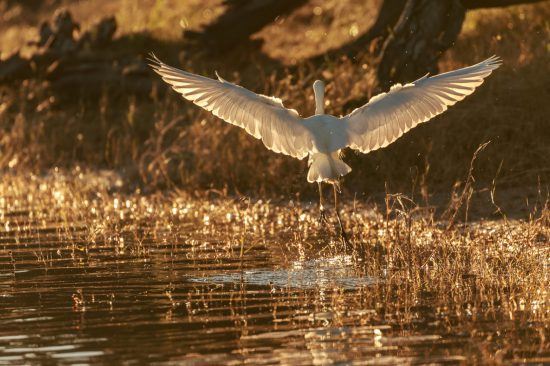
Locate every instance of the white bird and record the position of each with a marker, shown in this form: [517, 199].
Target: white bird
[321, 137]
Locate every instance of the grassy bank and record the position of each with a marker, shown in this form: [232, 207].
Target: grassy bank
[427, 267]
[161, 141]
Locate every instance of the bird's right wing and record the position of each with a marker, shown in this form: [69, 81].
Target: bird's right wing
[387, 116]
[281, 129]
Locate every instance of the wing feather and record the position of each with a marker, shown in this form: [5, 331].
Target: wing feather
[387, 116]
[280, 129]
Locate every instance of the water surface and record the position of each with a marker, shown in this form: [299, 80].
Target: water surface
[178, 292]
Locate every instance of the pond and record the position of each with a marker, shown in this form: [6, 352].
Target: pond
[95, 277]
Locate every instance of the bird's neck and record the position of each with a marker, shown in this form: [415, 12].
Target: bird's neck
[319, 109]
[319, 102]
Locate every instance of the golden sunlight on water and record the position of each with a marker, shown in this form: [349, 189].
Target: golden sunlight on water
[161, 265]
[92, 275]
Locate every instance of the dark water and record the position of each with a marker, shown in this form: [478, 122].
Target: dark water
[69, 297]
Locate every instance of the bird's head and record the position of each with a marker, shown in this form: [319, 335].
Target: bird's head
[319, 90]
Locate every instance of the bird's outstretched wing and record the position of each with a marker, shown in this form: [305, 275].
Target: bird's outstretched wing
[280, 129]
[387, 116]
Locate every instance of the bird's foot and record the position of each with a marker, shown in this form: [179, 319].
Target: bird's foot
[323, 216]
[345, 241]
[337, 186]
[343, 235]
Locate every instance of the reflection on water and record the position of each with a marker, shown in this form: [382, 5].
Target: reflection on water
[334, 272]
[172, 292]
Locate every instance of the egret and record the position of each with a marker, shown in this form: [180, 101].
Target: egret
[321, 137]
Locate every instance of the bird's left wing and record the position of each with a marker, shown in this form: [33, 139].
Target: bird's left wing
[281, 129]
[387, 116]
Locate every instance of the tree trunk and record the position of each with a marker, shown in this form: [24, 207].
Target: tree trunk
[425, 29]
[413, 33]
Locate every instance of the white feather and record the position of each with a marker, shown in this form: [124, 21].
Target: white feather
[387, 116]
[381, 121]
[263, 117]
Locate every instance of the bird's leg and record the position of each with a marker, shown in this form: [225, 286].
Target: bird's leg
[343, 235]
[322, 217]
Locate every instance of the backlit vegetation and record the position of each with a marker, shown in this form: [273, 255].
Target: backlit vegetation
[163, 141]
[413, 267]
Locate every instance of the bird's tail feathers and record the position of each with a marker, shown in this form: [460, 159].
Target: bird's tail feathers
[326, 168]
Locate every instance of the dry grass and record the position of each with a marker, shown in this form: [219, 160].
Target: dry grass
[419, 249]
[487, 271]
[165, 19]
[165, 142]
[84, 174]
